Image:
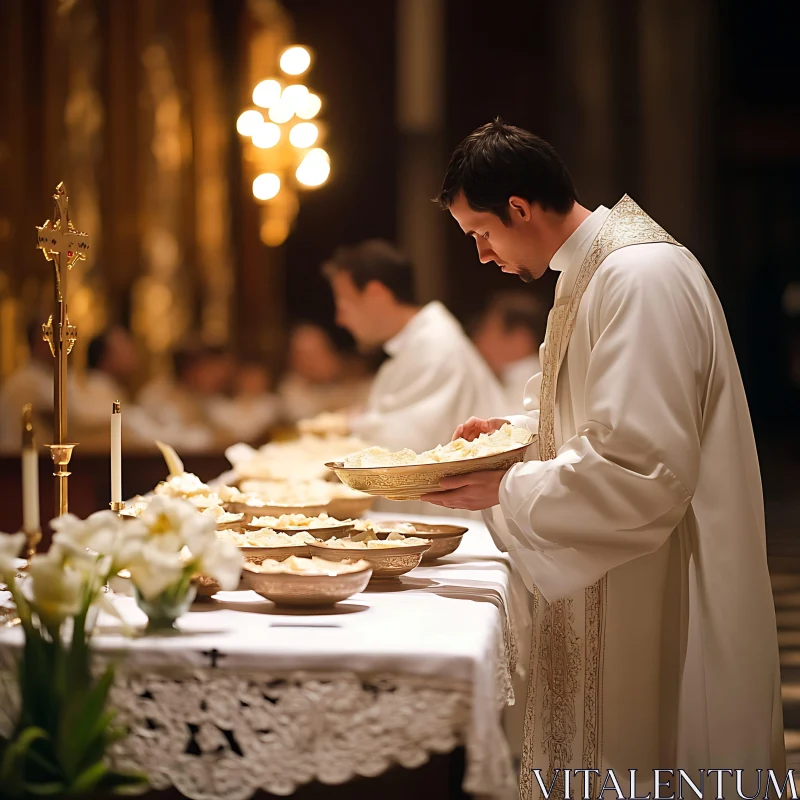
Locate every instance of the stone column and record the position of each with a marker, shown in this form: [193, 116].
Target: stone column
[421, 151]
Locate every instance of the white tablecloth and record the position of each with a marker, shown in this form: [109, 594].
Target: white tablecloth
[247, 697]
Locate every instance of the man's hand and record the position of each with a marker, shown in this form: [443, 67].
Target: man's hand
[474, 491]
[475, 426]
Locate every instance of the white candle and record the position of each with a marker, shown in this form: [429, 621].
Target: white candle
[30, 475]
[30, 491]
[116, 453]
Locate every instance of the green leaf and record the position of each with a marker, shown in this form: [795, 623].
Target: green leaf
[17, 749]
[81, 724]
[112, 781]
[89, 778]
[54, 789]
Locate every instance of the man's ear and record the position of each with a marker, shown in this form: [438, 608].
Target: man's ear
[375, 290]
[520, 208]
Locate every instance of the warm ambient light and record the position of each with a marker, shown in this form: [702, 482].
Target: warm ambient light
[266, 186]
[314, 168]
[295, 60]
[304, 134]
[309, 108]
[294, 96]
[268, 135]
[281, 112]
[267, 93]
[249, 122]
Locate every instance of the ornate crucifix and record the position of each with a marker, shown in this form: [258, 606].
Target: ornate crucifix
[62, 244]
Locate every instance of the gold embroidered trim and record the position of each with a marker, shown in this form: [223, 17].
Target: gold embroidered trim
[558, 644]
[625, 225]
[595, 599]
[529, 728]
[559, 667]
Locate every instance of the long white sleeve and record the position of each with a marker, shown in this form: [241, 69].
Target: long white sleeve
[618, 488]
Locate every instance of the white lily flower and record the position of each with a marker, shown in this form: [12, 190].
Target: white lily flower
[170, 523]
[102, 532]
[57, 588]
[153, 570]
[11, 545]
[223, 561]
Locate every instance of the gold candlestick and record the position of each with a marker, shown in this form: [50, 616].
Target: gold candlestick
[62, 244]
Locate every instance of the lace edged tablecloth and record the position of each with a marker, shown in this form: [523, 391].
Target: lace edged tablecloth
[250, 699]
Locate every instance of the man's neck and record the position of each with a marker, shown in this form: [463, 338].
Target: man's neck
[565, 225]
[398, 318]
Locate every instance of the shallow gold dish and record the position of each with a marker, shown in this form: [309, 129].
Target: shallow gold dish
[305, 591]
[444, 539]
[349, 507]
[275, 510]
[318, 533]
[255, 555]
[411, 481]
[388, 563]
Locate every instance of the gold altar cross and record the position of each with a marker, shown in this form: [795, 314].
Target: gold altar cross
[62, 244]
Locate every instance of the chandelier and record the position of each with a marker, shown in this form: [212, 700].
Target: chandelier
[284, 153]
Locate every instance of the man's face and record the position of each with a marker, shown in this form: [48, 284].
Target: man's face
[513, 247]
[356, 310]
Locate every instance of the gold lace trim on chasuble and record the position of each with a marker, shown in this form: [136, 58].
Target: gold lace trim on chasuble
[557, 645]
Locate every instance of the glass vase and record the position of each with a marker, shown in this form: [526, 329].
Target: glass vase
[164, 610]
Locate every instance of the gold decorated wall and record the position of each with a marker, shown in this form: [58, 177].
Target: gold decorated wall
[124, 102]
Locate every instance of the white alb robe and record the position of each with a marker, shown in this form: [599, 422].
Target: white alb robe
[433, 381]
[655, 492]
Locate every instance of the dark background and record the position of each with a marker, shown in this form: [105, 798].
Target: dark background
[520, 63]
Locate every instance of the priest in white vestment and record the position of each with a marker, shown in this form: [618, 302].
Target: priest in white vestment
[637, 518]
[433, 377]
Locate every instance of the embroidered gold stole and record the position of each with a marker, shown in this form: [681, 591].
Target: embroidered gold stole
[556, 643]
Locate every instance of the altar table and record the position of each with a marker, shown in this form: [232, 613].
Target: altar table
[248, 697]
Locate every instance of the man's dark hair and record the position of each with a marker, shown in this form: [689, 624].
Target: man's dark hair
[375, 260]
[520, 310]
[498, 161]
[96, 350]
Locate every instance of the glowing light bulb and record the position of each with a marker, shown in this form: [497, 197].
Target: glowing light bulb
[314, 168]
[267, 93]
[266, 186]
[309, 107]
[295, 60]
[281, 112]
[268, 135]
[249, 122]
[294, 96]
[304, 134]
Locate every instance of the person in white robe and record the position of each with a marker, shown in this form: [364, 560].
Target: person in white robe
[637, 518]
[508, 335]
[433, 375]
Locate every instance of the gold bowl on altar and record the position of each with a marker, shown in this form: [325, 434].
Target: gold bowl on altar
[257, 555]
[308, 590]
[206, 586]
[389, 563]
[411, 481]
[275, 510]
[350, 507]
[444, 539]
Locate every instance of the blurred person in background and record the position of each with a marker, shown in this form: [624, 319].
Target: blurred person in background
[320, 377]
[434, 377]
[508, 335]
[180, 404]
[31, 383]
[252, 409]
